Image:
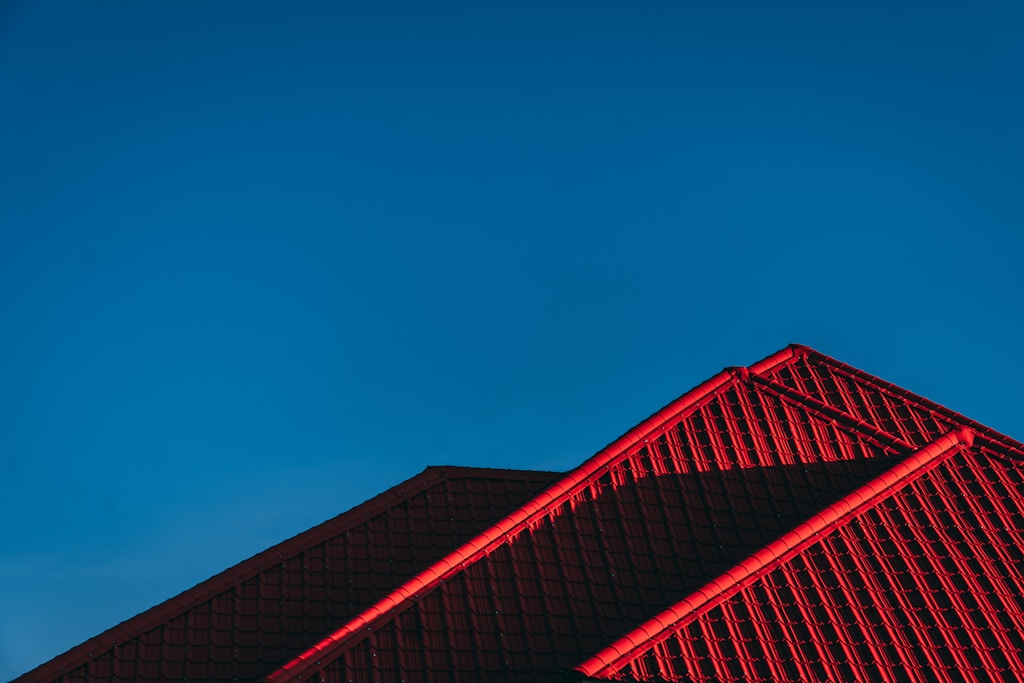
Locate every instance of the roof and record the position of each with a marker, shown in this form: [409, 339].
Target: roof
[795, 520]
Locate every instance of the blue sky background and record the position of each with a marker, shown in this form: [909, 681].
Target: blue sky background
[260, 261]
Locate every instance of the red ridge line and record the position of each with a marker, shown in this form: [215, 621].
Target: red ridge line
[618, 654]
[485, 542]
[245, 570]
[873, 432]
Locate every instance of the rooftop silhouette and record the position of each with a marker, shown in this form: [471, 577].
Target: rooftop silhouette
[797, 519]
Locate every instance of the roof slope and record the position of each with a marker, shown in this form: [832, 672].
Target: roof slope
[915, 576]
[246, 621]
[795, 520]
[919, 576]
[818, 603]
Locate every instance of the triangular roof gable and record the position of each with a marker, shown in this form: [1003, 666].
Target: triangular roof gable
[826, 420]
[483, 495]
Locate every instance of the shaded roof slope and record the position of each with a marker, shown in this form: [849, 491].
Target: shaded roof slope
[246, 621]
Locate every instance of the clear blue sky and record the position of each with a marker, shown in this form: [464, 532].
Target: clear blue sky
[260, 261]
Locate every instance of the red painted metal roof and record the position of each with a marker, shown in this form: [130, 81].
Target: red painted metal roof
[795, 520]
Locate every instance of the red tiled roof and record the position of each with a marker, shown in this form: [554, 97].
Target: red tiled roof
[794, 520]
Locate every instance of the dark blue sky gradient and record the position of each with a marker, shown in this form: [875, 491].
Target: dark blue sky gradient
[261, 261]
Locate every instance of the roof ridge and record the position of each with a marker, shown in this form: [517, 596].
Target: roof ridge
[727, 584]
[479, 546]
[244, 570]
[470, 472]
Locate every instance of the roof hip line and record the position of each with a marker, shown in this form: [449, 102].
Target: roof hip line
[995, 440]
[405, 595]
[727, 584]
[873, 432]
